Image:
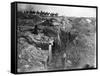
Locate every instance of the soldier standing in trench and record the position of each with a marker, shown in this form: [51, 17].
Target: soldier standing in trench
[50, 49]
[64, 60]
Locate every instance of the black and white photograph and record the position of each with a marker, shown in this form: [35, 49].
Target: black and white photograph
[55, 37]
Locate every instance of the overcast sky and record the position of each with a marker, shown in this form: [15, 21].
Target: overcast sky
[61, 10]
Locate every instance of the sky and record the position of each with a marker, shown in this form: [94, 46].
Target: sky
[61, 10]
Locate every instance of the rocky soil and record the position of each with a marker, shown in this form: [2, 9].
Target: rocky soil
[73, 47]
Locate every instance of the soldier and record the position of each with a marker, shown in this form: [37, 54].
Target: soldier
[50, 49]
[64, 60]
